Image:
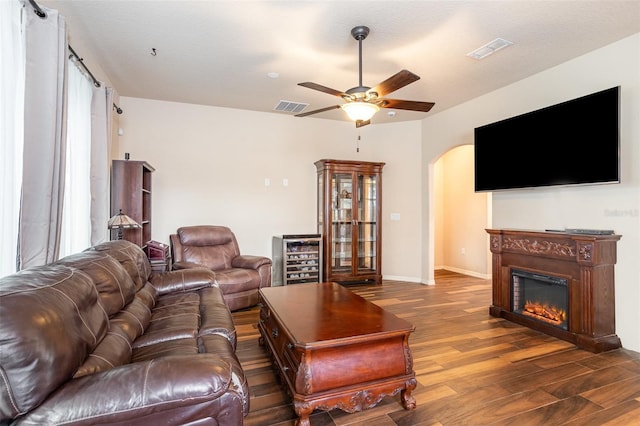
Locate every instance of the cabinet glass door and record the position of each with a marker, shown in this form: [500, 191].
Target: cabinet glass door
[367, 194]
[342, 225]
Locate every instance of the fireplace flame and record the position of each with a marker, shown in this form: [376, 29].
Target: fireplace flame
[546, 313]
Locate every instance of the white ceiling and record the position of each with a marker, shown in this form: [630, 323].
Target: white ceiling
[220, 52]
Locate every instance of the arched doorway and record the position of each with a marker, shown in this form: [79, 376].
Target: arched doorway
[460, 216]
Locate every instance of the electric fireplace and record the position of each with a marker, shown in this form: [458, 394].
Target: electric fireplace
[541, 297]
[558, 283]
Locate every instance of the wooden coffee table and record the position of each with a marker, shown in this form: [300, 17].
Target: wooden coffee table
[334, 349]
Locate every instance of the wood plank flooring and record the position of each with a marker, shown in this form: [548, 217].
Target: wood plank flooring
[472, 369]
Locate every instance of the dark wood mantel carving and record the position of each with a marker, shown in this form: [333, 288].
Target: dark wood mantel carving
[586, 261]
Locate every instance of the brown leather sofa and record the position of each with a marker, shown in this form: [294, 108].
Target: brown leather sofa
[240, 277]
[95, 338]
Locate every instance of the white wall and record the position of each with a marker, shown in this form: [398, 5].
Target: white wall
[211, 164]
[603, 206]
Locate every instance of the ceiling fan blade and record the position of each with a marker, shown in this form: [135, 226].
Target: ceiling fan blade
[304, 114]
[362, 123]
[408, 105]
[394, 83]
[321, 88]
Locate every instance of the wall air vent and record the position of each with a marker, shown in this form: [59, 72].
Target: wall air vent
[292, 107]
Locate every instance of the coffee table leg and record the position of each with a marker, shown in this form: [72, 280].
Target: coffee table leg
[408, 401]
[303, 411]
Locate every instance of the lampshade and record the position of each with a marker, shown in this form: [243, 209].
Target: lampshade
[360, 110]
[121, 221]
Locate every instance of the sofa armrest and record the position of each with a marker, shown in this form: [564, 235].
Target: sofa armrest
[250, 262]
[186, 265]
[183, 280]
[181, 388]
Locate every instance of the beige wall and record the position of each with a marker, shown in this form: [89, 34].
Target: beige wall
[461, 215]
[614, 206]
[211, 165]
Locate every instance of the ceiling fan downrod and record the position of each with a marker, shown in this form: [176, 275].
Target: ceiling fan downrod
[360, 33]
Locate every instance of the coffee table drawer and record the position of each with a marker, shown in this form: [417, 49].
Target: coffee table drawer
[353, 363]
[283, 350]
[272, 330]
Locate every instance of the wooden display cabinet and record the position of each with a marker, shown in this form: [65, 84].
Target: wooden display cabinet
[131, 193]
[349, 214]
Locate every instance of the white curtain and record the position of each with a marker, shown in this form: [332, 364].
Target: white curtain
[11, 130]
[75, 232]
[101, 133]
[44, 138]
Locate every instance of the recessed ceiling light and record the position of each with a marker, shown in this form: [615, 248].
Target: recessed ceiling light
[489, 48]
[273, 75]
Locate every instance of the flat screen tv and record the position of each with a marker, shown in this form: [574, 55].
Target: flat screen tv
[576, 142]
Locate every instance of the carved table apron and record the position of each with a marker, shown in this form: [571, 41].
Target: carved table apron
[334, 349]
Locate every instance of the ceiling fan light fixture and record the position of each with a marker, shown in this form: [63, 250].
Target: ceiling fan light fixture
[360, 110]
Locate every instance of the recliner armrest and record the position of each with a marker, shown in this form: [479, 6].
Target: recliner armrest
[174, 387]
[249, 261]
[183, 280]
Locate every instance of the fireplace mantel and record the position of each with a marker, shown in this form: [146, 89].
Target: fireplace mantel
[586, 261]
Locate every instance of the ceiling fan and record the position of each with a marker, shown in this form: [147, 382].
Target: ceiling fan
[363, 102]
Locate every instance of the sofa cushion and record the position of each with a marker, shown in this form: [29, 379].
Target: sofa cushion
[188, 346]
[113, 350]
[215, 317]
[205, 235]
[167, 390]
[218, 345]
[63, 324]
[131, 257]
[237, 280]
[175, 316]
[133, 320]
[114, 284]
[213, 257]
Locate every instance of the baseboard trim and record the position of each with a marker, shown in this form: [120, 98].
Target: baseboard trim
[433, 282]
[466, 272]
[401, 278]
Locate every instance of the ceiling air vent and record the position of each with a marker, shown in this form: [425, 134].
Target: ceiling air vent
[292, 107]
[489, 48]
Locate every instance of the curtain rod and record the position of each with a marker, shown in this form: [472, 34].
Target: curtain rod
[38, 11]
[81, 61]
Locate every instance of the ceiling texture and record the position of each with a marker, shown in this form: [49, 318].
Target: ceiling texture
[221, 52]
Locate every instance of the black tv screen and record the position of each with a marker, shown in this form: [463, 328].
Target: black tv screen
[571, 143]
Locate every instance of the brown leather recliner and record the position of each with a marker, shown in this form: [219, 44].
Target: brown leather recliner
[215, 247]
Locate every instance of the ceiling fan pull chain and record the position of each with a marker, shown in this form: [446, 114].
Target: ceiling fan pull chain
[358, 142]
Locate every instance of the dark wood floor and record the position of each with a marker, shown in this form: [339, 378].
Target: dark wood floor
[472, 369]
